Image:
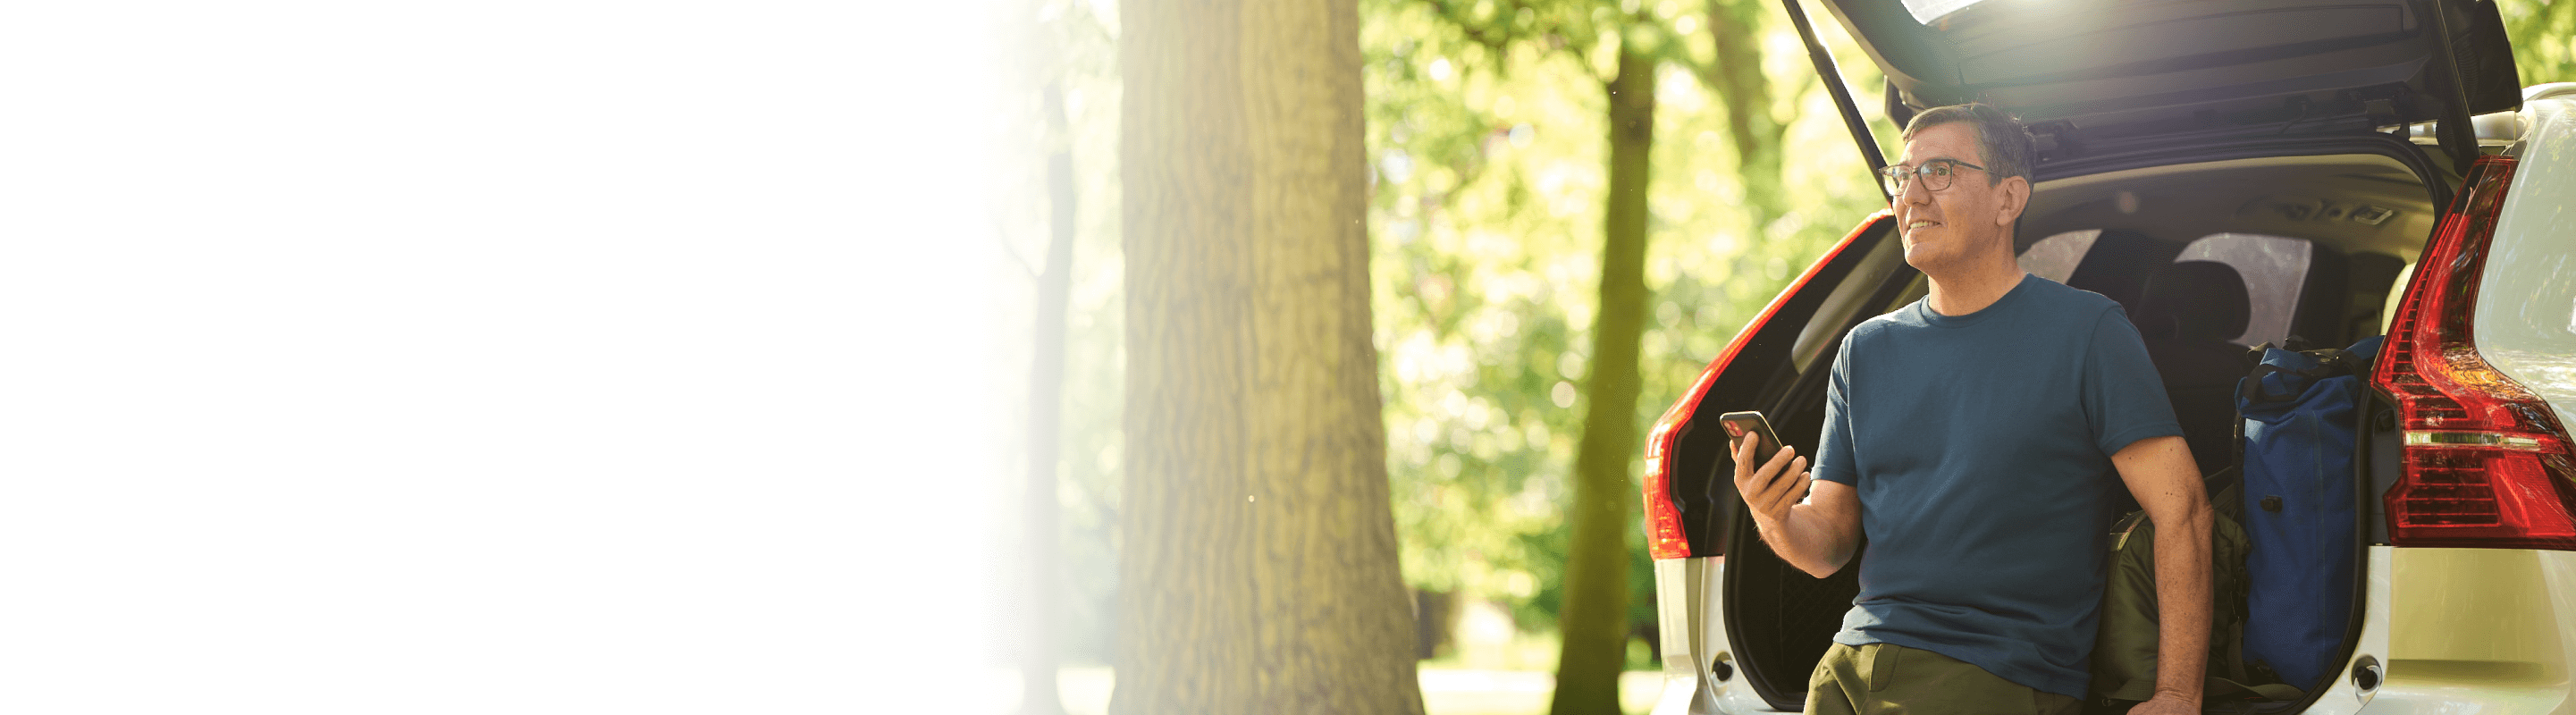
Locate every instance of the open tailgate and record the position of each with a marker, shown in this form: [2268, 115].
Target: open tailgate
[2098, 75]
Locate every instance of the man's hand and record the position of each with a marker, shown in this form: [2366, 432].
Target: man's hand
[1774, 487]
[1816, 536]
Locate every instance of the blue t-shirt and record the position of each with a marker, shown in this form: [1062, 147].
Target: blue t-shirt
[1981, 446]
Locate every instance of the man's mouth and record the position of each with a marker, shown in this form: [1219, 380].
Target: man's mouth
[1909, 228]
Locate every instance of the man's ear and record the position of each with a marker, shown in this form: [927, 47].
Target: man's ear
[2016, 197]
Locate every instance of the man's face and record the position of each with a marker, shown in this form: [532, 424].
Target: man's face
[1970, 216]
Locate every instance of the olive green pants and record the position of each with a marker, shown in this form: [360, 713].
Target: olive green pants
[1889, 679]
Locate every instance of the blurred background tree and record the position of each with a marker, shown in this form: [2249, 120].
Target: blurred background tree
[1261, 573]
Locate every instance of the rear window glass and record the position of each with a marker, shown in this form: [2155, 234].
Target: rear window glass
[2055, 257]
[2273, 268]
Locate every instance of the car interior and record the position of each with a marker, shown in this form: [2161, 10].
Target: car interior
[2209, 259]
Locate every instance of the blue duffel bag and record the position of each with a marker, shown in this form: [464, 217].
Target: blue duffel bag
[2301, 412]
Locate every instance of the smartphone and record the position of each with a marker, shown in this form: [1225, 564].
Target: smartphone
[1739, 424]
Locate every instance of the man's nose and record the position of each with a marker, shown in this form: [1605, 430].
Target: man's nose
[1915, 192]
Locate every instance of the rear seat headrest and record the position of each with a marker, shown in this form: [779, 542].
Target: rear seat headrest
[2193, 300]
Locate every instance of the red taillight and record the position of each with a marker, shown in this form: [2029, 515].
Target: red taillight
[1665, 538]
[2484, 462]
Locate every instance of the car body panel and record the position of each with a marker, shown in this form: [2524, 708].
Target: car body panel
[2526, 313]
[2488, 631]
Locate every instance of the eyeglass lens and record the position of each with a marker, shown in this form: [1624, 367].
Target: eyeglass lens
[1936, 176]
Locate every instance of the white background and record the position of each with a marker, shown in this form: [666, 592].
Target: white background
[527, 356]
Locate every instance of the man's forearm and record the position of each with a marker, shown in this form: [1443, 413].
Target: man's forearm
[1806, 540]
[2183, 604]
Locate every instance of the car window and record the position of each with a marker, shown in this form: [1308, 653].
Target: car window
[2274, 268]
[2055, 257]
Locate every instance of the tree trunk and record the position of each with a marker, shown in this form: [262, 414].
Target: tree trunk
[1595, 620]
[1039, 693]
[1735, 26]
[1258, 563]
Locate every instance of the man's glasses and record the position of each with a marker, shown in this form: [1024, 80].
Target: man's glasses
[1936, 175]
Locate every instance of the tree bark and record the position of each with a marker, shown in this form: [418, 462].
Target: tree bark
[1595, 620]
[1258, 565]
[1039, 692]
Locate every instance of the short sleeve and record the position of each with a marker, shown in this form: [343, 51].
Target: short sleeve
[1833, 462]
[2124, 396]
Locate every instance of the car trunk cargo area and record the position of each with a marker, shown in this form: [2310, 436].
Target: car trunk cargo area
[2320, 230]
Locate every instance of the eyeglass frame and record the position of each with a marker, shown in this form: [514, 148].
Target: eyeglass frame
[1890, 174]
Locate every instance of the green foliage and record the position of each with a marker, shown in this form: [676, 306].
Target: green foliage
[2544, 39]
[1481, 225]
[1487, 138]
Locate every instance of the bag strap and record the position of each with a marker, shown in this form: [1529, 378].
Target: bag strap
[2236, 440]
[2250, 389]
[2331, 362]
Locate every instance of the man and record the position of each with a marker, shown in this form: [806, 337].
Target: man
[1972, 436]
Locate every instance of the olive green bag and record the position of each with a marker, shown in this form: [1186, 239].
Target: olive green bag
[2124, 651]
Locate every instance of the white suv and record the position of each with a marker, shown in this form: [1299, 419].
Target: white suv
[2326, 150]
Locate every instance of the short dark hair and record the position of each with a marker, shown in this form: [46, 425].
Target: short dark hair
[2000, 137]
